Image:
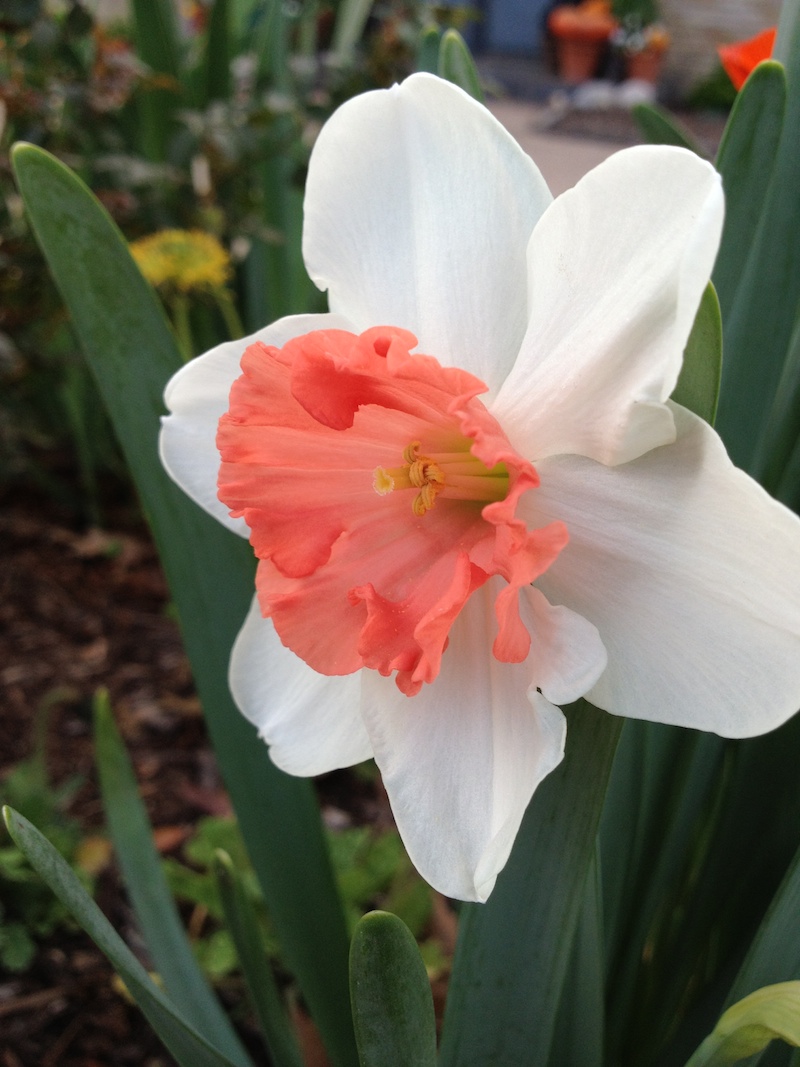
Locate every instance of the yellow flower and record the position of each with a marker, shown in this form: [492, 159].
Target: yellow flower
[184, 260]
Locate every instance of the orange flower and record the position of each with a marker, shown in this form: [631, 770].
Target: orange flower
[741, 57]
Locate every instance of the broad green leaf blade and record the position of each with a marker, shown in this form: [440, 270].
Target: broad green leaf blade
[428, 49]
[185, 1044]
[781, 433]
[391, 995]
[698, 384]
[743, 845]
[659, 127]
[748, 1027]
[513, 952]
[787, 43]
[662, 799]
[125, 338]
[457, 65]
[745, 160]
[242, 925]
[155, 908]
[580, 1028]
[759, 324]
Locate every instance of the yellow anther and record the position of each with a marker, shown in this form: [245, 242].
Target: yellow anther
[458, 474]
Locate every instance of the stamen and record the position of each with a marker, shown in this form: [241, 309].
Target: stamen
[457, 475]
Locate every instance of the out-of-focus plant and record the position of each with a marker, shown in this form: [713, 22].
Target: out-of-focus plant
[202, 120]
[27, 912]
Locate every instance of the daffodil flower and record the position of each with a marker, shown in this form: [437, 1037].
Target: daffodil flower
[471, 498]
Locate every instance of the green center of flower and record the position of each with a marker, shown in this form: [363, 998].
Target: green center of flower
[456, 475]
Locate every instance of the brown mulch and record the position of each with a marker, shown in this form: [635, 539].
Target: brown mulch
[80, 610]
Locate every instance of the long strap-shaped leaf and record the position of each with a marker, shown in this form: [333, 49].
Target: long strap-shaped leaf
[127, 342]
[153, 903]
[182, 1040]
[242, 925]
[761, 318]
[513, 951]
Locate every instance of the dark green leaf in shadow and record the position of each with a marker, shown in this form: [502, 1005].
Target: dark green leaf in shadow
[579, 1038]
[781, 434]
[157, 41]
[219, 53]
[391, 995]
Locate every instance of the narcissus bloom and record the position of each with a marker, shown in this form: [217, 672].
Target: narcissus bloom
[469, 493]
[740, 58]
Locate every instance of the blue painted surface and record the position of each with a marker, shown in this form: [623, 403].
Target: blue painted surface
[516, 26]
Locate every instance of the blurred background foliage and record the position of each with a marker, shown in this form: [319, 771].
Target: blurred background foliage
[190, 117]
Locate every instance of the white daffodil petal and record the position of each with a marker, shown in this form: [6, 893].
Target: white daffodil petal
[690, 572]
[196, 398]
[617, 267]
[567, 656]
[460, 760]
[312, 723]
[418, 210]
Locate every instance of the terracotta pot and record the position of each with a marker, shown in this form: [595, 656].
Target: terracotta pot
[578, 58]
[646, 64]
[581, 35]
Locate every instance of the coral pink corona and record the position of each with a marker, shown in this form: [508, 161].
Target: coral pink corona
[405, 489]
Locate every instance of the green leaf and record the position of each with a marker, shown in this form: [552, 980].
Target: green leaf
[514, 951]
[659, 127]
[428, 49]
[662, 803]
[580, 1027]
[242, 925]
[219, 53]
[775, 950]
[126, 339]
[153, 904]
[698, 383]
[391, 995]
[749, 1026]
[351, 18]
[760, 319]
[781, 434]
[155, 28]
[185, 1044]
[457, 65]
[746, 160]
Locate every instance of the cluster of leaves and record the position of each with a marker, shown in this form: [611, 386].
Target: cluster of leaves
[371, 869]
[28, 911]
